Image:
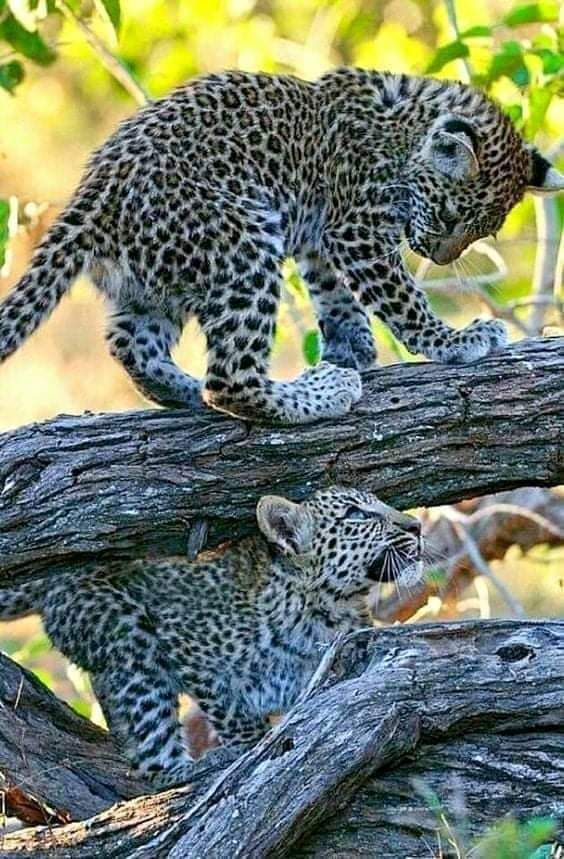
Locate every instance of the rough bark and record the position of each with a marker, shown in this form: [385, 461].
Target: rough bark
[78, 488]
[484, 701]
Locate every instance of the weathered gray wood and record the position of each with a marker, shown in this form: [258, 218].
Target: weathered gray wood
[54, 765]
[479, 779]
[77, 488]
[445, 690]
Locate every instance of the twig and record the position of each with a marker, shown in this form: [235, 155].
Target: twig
[484, 568]
[514, 510]
[109, 60]
[453, 21]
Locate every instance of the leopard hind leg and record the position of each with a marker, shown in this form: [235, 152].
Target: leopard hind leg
[142, 340]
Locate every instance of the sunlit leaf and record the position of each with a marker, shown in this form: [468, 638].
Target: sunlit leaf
[539, 101]
[509, 61]
[311, 347]
[532, 13]
[80, 706]
[514, 112]
[4, 232]
[475, 32]
[45, 677]
[552, 62]
[11, 74]
[26, 13]
[110, 9]
[31, 45]
[453, 51]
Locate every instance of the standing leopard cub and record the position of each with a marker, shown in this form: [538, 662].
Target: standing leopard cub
[242, 631]
[191, 207]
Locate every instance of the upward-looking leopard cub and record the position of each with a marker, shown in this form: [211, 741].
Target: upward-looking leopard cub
[191, 206]
[242, 631]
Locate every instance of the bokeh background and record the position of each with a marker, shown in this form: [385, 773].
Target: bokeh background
[70, 99]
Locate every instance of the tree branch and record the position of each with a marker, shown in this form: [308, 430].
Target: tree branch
[55, 766]
[112, 64]
[77, 489]
[419, 694]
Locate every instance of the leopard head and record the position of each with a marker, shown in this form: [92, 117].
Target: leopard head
[465, 174]
[343, 539]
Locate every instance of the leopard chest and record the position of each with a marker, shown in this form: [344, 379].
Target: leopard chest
[277, 667]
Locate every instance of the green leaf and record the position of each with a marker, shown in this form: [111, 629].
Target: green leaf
[539, 101]
[4, 233]
[514, 112]
[453, 51]
[475, 32]
[552, 62]
[532, 13]
[25, 12]
[311, 347]
[110, 9]
[509, 62]
[31, 45]
[11, 74]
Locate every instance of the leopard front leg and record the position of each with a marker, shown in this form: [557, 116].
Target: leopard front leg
[239, 325]
[345, 327]
[382, 283]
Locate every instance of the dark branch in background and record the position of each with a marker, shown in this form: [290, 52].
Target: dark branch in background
[77, 489]
[423, 697]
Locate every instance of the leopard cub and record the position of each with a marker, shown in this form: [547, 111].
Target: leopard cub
[241, 630]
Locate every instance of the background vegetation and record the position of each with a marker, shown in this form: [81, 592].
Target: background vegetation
[70, 70]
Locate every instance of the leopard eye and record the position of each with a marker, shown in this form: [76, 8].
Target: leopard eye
[357, 514]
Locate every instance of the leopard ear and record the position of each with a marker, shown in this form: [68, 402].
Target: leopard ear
[285, 524]
[451, 147]
[543, 178]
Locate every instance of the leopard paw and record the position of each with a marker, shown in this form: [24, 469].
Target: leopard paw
[329, 390]
[482, 337]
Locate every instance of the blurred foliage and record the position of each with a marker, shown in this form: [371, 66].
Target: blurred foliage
[511, 839]
[506, 839]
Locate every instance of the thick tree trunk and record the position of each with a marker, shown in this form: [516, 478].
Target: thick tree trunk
[474, 709]
[80, 488]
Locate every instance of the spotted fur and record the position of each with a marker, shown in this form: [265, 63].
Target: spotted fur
[241, 630]
[191, 206]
